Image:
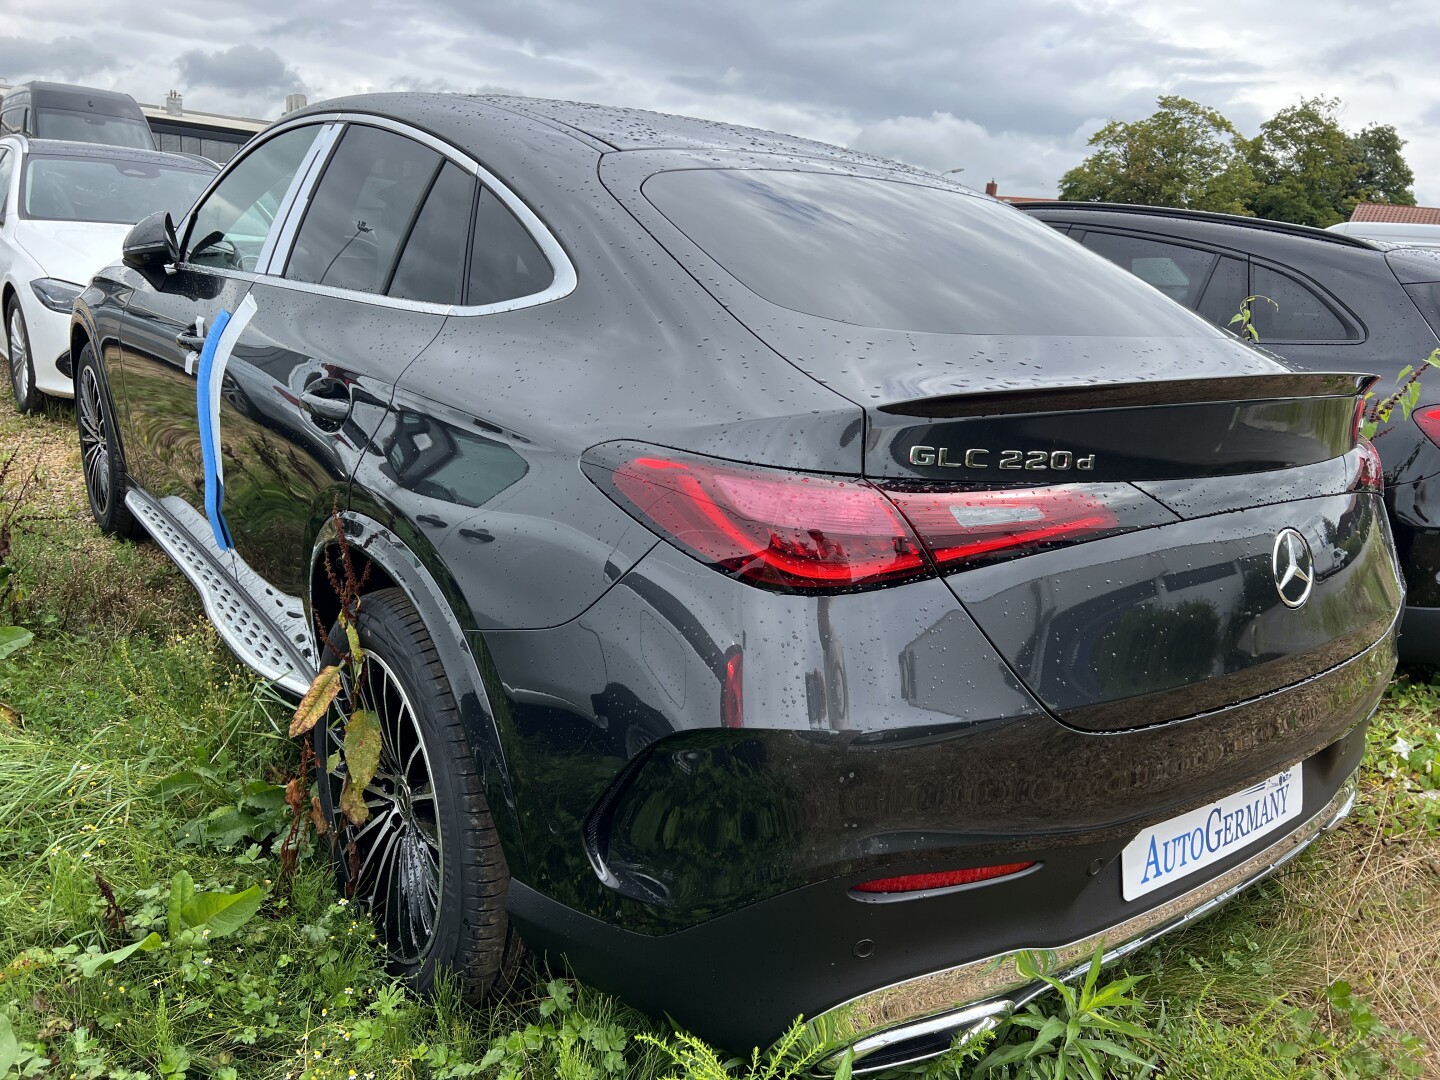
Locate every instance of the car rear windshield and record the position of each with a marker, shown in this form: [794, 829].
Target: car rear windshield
[96, 189]
[92, 127]
[903, 256]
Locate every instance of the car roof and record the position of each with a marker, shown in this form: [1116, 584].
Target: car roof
[603, 127]
[103, 151]
[41, 86]
[1202, 216]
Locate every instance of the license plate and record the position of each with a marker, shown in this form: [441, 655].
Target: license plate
[1187, 844]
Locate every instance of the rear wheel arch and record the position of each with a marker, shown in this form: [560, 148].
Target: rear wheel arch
[384, 561]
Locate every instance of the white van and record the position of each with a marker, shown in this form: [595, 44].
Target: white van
[1392, 232]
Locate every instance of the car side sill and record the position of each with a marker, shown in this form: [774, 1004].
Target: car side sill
[265, 628]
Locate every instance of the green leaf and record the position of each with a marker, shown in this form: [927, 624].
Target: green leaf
[1049, 1031]
[227, 826]
[13, 639]
[362, 758]
[316, 701]
[1094, 973]
[90, 966]
[221, 913]
[182, 889]
[178, 783]
[264, 796]
[1113, 1049]
[9, 1046]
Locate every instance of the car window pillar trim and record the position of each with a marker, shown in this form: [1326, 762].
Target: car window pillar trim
[410, 225]
[297, 197]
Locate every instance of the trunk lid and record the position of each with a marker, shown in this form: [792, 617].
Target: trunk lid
[1189, 607]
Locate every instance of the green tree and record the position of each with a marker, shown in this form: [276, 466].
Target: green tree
[1382, 174]
[1184, 154]
[1302, 158]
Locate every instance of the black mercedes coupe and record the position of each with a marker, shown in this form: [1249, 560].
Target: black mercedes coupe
[793, 584]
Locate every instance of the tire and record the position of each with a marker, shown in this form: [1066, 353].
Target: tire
[100, 455]
[445, 839]
[22, 363]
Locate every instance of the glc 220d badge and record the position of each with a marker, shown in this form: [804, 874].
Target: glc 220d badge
[977, 458]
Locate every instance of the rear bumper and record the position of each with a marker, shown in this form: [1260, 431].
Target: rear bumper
[910, 1021]
[869, 970]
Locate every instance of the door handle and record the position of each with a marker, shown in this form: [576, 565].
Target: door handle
[327, 399]
[192, 338]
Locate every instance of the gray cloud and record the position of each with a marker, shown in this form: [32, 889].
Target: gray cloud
[63, 58]
[241, 69]
[1008, 90]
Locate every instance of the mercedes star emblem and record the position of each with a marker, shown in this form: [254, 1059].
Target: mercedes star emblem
[1294, 568]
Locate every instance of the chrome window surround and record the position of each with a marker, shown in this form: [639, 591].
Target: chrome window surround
[297, 197]
[971, 998]
[291, 210]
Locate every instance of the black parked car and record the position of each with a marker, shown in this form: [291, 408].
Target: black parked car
[795, 583]
[1344, 303]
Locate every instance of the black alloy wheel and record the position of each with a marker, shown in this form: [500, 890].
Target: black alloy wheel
[100, 456]
[426, 863]
[22, 364]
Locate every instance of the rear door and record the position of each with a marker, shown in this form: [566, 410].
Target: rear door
[376, 264]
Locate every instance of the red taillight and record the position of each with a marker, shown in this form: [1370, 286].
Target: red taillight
[1429, 420]
[963, 526]
[782, 530]
[1371, 474]
[732, 692]
[942, 880]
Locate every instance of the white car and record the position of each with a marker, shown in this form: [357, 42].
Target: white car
[64, 210]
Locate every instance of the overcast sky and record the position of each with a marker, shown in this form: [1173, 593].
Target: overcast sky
[1008, 91]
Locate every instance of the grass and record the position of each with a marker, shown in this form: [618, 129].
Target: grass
[1328, 970]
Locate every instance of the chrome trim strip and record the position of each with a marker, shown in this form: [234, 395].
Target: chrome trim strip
[948, 1000]
[297, 197]
[562, 285]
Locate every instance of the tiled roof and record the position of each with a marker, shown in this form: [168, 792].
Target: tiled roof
[1410, 215]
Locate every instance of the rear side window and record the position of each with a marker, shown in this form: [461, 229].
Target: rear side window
[432, 263]
[505, 263]
[904, 256]
[1177, 271]
[1301, 316]
[1225, 293]
[361, 210]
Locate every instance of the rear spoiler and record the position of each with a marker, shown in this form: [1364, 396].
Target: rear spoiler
[1130, 395]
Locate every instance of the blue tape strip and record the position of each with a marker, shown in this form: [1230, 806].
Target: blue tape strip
[210, 435]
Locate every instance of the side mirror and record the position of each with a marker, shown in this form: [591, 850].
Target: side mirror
[151, 244]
